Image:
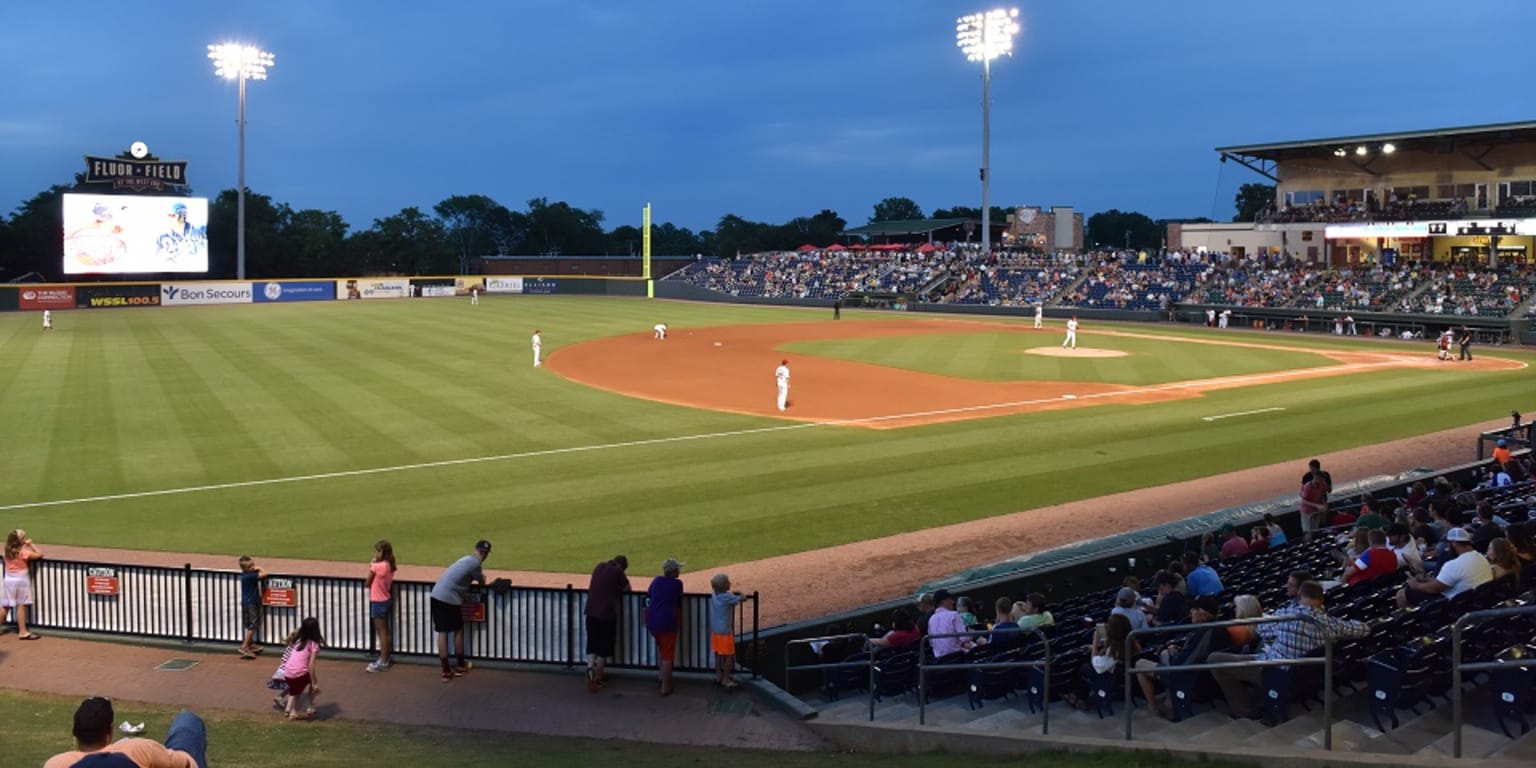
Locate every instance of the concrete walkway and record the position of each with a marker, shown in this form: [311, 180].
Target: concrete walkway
[549, 701]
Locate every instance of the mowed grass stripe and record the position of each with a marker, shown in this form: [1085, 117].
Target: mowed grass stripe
[152, 443]
[31, 396]
[86, 445]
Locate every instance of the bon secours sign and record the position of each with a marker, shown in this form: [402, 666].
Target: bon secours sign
[184, 294]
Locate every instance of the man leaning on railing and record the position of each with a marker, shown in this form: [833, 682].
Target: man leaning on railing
[1281, 640]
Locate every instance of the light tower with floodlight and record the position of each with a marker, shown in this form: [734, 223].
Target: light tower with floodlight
[984, 37]
[233, 61]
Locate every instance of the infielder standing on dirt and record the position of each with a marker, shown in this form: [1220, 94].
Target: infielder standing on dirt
[661, 330]
[1040, 315]
[538, 346]
[781, 375]
[1071, 340]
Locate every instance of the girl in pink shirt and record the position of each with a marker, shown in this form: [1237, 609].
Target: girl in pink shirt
[299, 669]
[16, 590]
[381, 582]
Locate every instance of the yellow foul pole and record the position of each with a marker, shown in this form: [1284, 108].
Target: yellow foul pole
[645, 252]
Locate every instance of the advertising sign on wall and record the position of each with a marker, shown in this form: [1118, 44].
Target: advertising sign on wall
[97, 296]
[462, 285]
[184, 294]
[538, 285]
[369, 288]
[504, 285]
[52, 297]
[323, 290]
[429, 287]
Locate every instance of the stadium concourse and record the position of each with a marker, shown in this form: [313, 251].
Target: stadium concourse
[957, 274]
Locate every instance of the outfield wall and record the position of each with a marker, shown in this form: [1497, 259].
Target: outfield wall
[35, 297]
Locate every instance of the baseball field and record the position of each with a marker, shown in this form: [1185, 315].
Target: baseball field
[310, 430]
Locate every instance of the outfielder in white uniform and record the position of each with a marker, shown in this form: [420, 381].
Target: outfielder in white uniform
[781, 376]
[1071, 340]
[474, 295]
[538, 345]
[661, 330]
[1040, 315]
[47, 319]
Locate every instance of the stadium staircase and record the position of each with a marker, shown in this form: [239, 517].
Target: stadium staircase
[1068, 289]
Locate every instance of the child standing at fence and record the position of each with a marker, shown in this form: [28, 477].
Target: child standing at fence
[250, 606]
[299, 669]
[722, 634]
[381, 581]
[16, 590]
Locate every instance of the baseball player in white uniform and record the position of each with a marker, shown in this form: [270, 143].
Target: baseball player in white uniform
[781, 376]
[538, 345]
[47, 319]
[1040, 315]
[1071, 340]
[474, 295]
[661, 330]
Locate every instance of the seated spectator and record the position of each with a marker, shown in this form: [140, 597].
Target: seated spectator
[963, 607]
[1501, 559]
[1293, 583]
[1498, 477]
[1128, 604]
[1192, 648]
[1467, 570]
[925, 608]
[946, 621]
[1378, 560]
[1170, 607]
[1210, 547]
[1243, 636]
[1406, 549]
[1522, 539]
[1369, 517]
[1005, 635]
[1343, 517]
[903, 632]
[1232, 545]
[1201, 578]
[1176, 567]
[1418, 494]
[1276, 532]
[1258, 539]
[186, 744]
[1281, 640]
[1107, 656]
[1032, 613]
[1487, 527]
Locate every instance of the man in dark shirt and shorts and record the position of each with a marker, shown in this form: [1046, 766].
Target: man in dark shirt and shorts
[448, 606]
[607, 588]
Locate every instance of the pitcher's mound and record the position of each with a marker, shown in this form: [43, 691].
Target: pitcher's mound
[1079, 352]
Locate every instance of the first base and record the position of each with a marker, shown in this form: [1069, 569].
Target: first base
[1069, 397]
[719, 343]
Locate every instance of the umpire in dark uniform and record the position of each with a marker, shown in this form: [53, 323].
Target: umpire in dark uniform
[1465, 340]
[837, 309]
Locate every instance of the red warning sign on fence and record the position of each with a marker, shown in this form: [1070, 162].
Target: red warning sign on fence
[279, 593]
[101, 581]
[474, 609]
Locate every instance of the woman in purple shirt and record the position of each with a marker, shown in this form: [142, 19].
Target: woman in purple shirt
[663, 604]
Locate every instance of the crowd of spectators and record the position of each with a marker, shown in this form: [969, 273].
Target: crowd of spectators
[1128, 280]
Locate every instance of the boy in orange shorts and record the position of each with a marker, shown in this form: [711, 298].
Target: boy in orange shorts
[722, 634]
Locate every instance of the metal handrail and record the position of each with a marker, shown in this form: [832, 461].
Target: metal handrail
[1043, 663]
[868, 662]
[1326, 660]
[1457, 667]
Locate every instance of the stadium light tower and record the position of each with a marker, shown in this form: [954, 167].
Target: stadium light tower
[984, 37]
[233, 61]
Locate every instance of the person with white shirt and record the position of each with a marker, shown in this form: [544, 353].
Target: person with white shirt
[47, 319]
[1071, 340]
[781, 377]
[474, 295]
[1468, 570]
[538, 346]
[1040, 315]
[660, 330]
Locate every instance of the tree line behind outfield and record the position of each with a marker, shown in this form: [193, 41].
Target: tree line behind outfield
[284, 242]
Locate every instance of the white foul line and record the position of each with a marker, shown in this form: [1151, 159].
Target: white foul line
[1239, 413]
[1239, 379]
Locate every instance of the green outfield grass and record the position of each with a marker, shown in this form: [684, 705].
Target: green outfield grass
[134, 401]
[1000, 356]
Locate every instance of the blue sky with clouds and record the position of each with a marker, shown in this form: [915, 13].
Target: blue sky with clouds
[768, 110]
